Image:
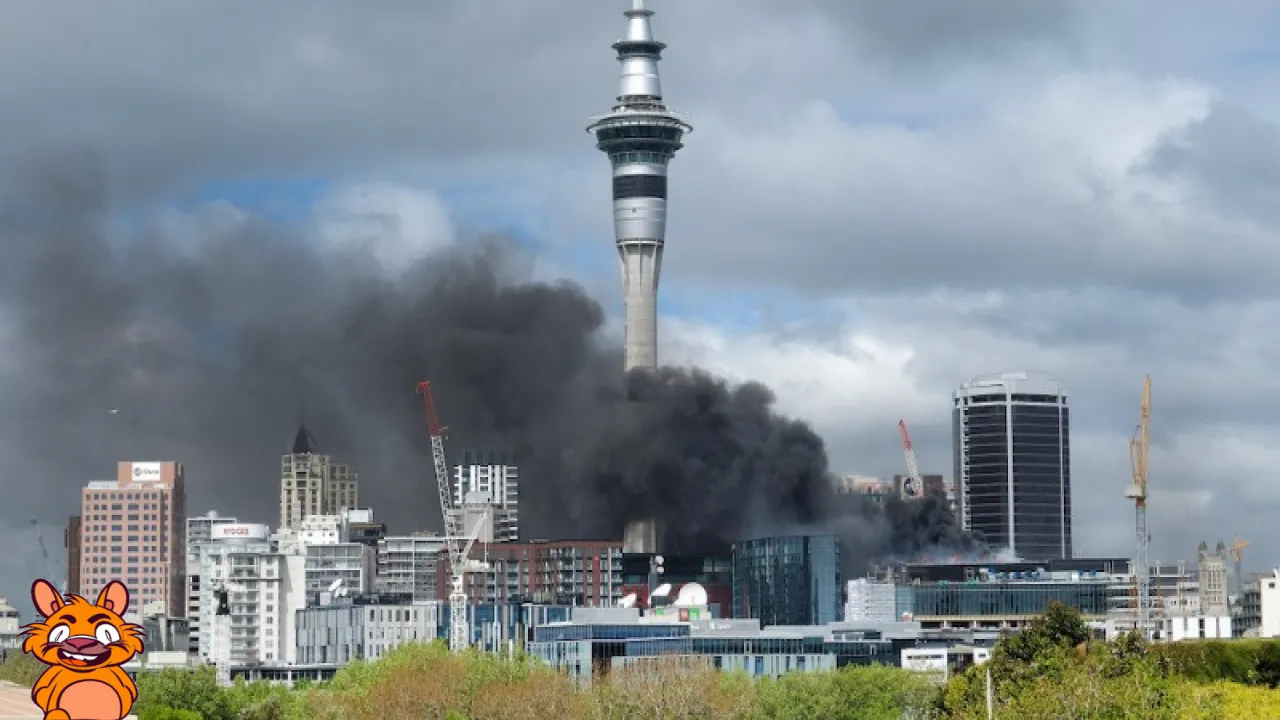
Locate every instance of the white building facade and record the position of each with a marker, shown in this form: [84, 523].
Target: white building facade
[199, 533]
[248, 597]
[489, 480]
[1197, 627]
[870, 601]
[331, 560]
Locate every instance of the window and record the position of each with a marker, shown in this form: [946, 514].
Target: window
[636, 186]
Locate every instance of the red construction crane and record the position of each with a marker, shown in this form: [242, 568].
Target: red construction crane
[459, 554]
[913, 486]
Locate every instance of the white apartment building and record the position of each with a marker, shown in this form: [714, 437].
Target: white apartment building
[199, 533]
[248, 597]
[1265, 605]
[1198, 627]
[487, 479]
[10, 626]
[320, 530]
[329, 557]
[366, 630]
[870, 601]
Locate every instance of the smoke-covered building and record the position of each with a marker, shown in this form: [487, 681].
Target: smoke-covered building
[489, 479]
[642, 573]
[313, 484]
[1013, 463]
[789, 580]
[933, 483]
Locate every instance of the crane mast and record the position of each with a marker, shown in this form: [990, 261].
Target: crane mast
[1139, 449]
[458, 554]
[1237, 553]
[914, 485]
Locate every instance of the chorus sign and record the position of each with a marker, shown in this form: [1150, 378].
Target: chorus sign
[146, 472]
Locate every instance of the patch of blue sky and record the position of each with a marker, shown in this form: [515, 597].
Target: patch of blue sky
[284, 200]
[746, 310]
[856, 113]
[481, 208]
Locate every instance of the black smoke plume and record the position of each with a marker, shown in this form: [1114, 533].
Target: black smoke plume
[209, 343]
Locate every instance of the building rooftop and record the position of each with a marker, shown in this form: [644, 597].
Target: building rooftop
[1013, 382]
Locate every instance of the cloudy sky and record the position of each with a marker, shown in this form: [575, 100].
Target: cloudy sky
[879, 200]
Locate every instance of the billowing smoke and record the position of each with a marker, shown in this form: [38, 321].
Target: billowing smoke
[215, 339]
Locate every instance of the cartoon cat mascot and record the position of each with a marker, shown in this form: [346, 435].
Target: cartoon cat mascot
[84, 644]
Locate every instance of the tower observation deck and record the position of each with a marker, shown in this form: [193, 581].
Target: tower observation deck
[640, 136]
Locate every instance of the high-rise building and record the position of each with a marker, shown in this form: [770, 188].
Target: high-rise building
[1211, 571]
[489, 479]
[1012, 446]
[788, 580]
[640, 136]
[71, 540]
[249, 598]
[199, 533]
[133, 529]
[313, 484]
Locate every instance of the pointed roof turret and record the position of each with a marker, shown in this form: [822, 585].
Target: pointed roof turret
[304, 443]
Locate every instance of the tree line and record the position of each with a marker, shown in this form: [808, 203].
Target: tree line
[1053, 669]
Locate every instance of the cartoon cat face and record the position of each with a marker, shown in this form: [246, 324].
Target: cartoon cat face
[80, 635]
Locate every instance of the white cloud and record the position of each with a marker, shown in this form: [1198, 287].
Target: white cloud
[395, 223]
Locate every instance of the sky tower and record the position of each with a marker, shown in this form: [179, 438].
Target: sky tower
[640, 136]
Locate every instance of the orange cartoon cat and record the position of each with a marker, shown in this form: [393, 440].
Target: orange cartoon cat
[84, 644]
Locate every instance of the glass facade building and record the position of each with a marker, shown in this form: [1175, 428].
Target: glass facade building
[789, 580]
[1013, 464]
[588, 650]
[1007, 600]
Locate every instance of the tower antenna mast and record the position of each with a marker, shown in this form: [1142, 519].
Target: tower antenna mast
[640, 135]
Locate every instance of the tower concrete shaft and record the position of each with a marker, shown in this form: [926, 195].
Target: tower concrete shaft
[640, 136]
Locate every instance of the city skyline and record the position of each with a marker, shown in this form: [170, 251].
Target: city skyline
[873, 214]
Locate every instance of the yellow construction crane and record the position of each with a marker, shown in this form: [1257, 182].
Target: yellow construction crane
[1237, 554]
[1139, 449]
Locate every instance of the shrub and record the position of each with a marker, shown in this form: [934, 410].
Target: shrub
[21, 669]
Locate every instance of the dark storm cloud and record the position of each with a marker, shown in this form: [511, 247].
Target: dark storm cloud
[213, 350]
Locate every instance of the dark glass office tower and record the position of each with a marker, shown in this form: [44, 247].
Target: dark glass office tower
[1013, 463]
[789, 580]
